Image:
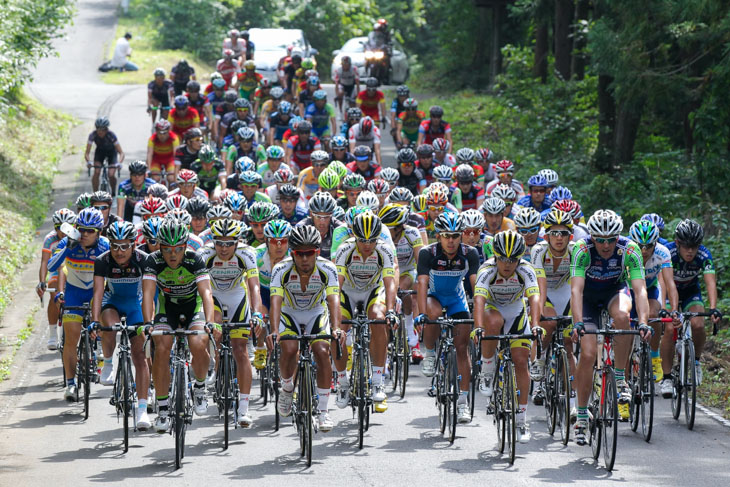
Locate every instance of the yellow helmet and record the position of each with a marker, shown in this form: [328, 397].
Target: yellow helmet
[509, 244]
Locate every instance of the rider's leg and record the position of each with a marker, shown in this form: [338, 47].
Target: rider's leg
[698, 330]
[142, 371]
[112, 173]
[620, 310]
[431, 332]
[244, 372]
[95, 177]
[72, 330]
[461, 341]
[378, 343]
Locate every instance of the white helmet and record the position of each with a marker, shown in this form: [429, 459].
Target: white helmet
[605, 223]
[549, 175]
[369, 200]
[473, 219]
[527, 218]
[493, 206]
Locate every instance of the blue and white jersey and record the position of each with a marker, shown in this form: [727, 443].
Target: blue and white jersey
[661, 259]
[79, 262]
[446, 275]
[123, 282]
[686, 274]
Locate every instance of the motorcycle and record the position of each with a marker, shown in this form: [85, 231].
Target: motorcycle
[377, 64]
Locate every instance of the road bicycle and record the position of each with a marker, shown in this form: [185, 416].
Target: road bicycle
[271, 379]
[557, 380]
[86, 367]
[399, 353]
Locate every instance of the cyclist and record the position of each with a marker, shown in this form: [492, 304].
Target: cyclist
[161, 148]
[175, 277]
[367, 278]
[210, 171]
[187, 185]
[118, 292]
[201, 104]
[403, 197]
[241, 112]
[690, 259]
[305, 299]
[228, 66]
[482, 158]
[299, 147]
[372, 101]
[365, 133]
[329, 182]
[198, 208]
[274, 162]
[380, 188]
[289, 73]
[159, 94]
[265, 106]
[657, 265]
[106, 149]
[537, 198]
[77, 286]
[580, 230]
[659, 222]
[236, 43]
[309, 178]
[133, 189]
[363, 164]
[291, 212]
[248, 80]
[354, 115]
[257, 216]
[180, 75]
[250, 46]
[409, 176]
[278, 123]
[442, 268]
[186, 153]
[407, 123]
[149, 207]
[474, 236]
[434, 127]
[505, 286]
[322, 116]
[505, 171]
[352, 185]
[509, 196]
[281, 177]
[235, 284]
[470, 195]
[437, 200]
[528, 224]
[493, 211]
[425, 161]
[270, 253]
[183, 117]
[321, 207]
[306, 93]
[441, 153]
[102, 201]
[250, 184]
[402, 92]
[602, 266]
[347, 82]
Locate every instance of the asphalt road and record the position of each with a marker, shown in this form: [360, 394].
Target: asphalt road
[44, 440]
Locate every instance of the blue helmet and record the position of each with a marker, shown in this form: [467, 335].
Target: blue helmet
[151, 226]
[561, 193]
[644, 232]
[656, 219]
[339, 142]
[537, 181]
[449, 221]
[181, 101]
[90, 218]
[245, 163]
[284, 107]
[313, 81]
[250, 177]
[319, 95]
[235, 202]
[121, 230]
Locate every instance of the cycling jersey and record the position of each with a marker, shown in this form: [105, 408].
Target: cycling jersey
[446, 275]
[161, 92]
[427, 172]
[183, 123]
[507, 224]
[179, 286]
[431, 133]
[526, 202]
[257, 152]
[308, 183]
[215, 101]
[320, 119]
[369, 174]
[410, 121]
[503, 291]
[208, 178]
[182, 75]
[50, 242]
[79, 262]
[266, 105]
[687, 274]
[131, 195]
[286, 282]
[659, 260]
[326, 250]
[369, 103]
[605, 276]
[247, 83]
[468, 201]
[228, 70]
[199, 104]
[229, 282]
[348, 158]
[238, 48]
[104, 145]
[123, 288]
[416, 220]
[263, 262]
[302, 151]
[258, 196]
[543, 261]
[231, 116]
[184, 158]
[163, 153]
[396, 106]
[268, 174]
[347, 78]
[364, 273]
[358, 138]
[279, 124]
[404, 248]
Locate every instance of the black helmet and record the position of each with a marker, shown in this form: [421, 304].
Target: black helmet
[242, 103]
[372, 82]
[198, 207]
[689, 233]
[402, 90]
[192, 86]
[230, 96]
[101, 197]
[305, 236]
[436, 111]
[362, 151]
[406, 156]
[102, 123]
[305, 126]
[424, 150]
[245, 34]
[138, 167]
[192, 133]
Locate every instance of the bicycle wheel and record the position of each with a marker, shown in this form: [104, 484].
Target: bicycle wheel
[367, 373]
[178, 416]
[104, 182]
[125, 397]
[85, 371]
[474, 379]
[275, 384]
[509, 398]
[676, 390]
[594, 407]
[307, 403]
[404, 355]
[633, 378]
[690, 383]
[452, 392]
[224, 358]
[562, 397]
[359, 401]
[498, 405]
[550, 391]
[264, 384]
[218, 386]
[646, 373]
[609, 419]
[441, 392]
[392, 361]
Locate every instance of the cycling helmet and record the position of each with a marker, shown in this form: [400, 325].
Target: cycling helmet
[235, 202]
[362, 152]
[504, 166]
[569, 206]
[406, 156]
[137, 167]
[284, 107]
[157, 190]
[328, 180]
[390, 175]
[233, 33]
[537, 181]
[274, 152]
[219, 83]
[437, 196]
[187, 176]
[402, 90]
[561, 193]
[550, 176]
[368, 199]
[444, 173]
[230, 96]
[339, 168]
[378, 186]
[159, 72]
[353, 181]
[644, 232]
[354, 112]
[172, 232]
[424, 150]
[245, 163]
[64, 215]
[176, 201]
[319, 95]
[101, 197]
[448, 221]
[558, 217]
[305, 237]
[180, 215]
[656, 219]
[250, 177]
[90, 218]
[236, 125]
[262, 211]
[605, 223]
[163, 125]
[284, 175]
[393, 215]
[181, 101]
[371, 83]
[250, 64]
[473, 219]
[219, 211]
[307, 63]
[366, 125]
[464, 173]
[339, 142]
[436, 111]
[241, 104]
[493, 206]
[400, 195]
[150, 227]
[246, 134]
[367, 226]
[419, 203]
[294, 123]
[227, 227]
[339, 213]
[505, 193]
[441, 187]
[441, 145]
[464, 155]
[102, 123]
[509, 244]
[192, 86]
[277, 229]
[198, 207]
[289, 191]
[206, 154]
[193, 133]
[277, 93]
[121, 230]
[304, 127]
[688, 233]
[483, 155]
[228, 53]
[319, 156]
[323, 203]
[410, 104]
[527, 218]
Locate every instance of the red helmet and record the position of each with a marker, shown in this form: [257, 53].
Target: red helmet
[482, 155]
[152, 206]
[437, 197]
[265, 83]
[569, 206]
[504, 166]
[187, 176]
[228, 53]
[163, 125]
[440, 145]
[366, 125]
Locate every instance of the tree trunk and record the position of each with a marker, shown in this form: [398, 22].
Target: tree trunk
[563, 42]
[627, 128]
[481, 47]
[603, 158]
[495, 59]
[578, 65]
[540, 68]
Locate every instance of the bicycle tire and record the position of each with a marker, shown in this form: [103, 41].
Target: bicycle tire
[441, 391]
[264, 384]
[510, 408]
[633, 379]
[595, 416]
[85, 378]
[126, 399]
[676, 390]
[452, 391]
[610, 419]
[474, 378]
[498, 405]
[690, 384]
[647, 394]
[224, 358]
[308, 402]
[404, 358]
[360, 392]
[178, 419]
[550, 390]
[392, 361]
[563, 397]
[276, 384]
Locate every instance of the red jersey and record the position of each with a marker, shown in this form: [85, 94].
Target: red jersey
[369, 104]
[163, 152]
[181, 124]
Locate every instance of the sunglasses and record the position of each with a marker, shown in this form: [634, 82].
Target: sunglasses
[436, 208]
[528, 231]
[538, 190]
[173, 250]
[508, 260]
[609, 240]
[321, 216]
[88, 230]
[304, 253]
[279, 241]
[472, 231]
[367, 240]
[151, 241]
[559, 233]
[406, 164]
[646, 246]
[196, 139]
[256, 224]
[121, 247]
[225, 243]
[163, 132]
[451, 235]
[242, 109]
[320, 164]
[102, 208]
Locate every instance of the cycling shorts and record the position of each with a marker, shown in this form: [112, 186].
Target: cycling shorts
[454, 304]
[350, 298]
[163, 99]
[652, 292]
[128, 306]
[74, 296]
[592, 307]
[101, 155]
[311, 322]
[347, 90]
[238, 311]
[690, 297]
[409, 273]
[322, 132]
[156, 166]
[265, 297]
[559, 299]
[182, 315]
[515, 322]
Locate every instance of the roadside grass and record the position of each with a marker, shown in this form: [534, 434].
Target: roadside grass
[715, 388]
[20, 338]
[146, 56]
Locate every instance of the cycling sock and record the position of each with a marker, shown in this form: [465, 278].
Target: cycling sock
[378, 377]
[488, 365]
[324, 399]
[287, 384]
[243, 402]
[521, 415]
[463, 396]
[429, 352]
[342, 378]
[654, 353]
[107, 361]
[583, 413]
[142, 404]
[199, 383]
[162, 402]
[620, 374]
[70, 382]
[410, 332]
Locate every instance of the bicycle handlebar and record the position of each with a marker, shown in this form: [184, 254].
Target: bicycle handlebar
[307, 338]
[178, 332]
[694, 314]
[611, 332]
[449, 321]
[369, 321]
[406, 292]
[557, 319]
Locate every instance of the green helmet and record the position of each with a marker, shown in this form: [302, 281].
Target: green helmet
[173, 232]
[262, 211]
[277, 229]
[353, 181]
[339, 168]
[83, 201]
[274, 152]
[206, 154]
[644, 232]
[307, 63]
[328, 180]
[352, 212]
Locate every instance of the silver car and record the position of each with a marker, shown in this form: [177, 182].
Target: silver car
[271, 46]
[355, 48]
